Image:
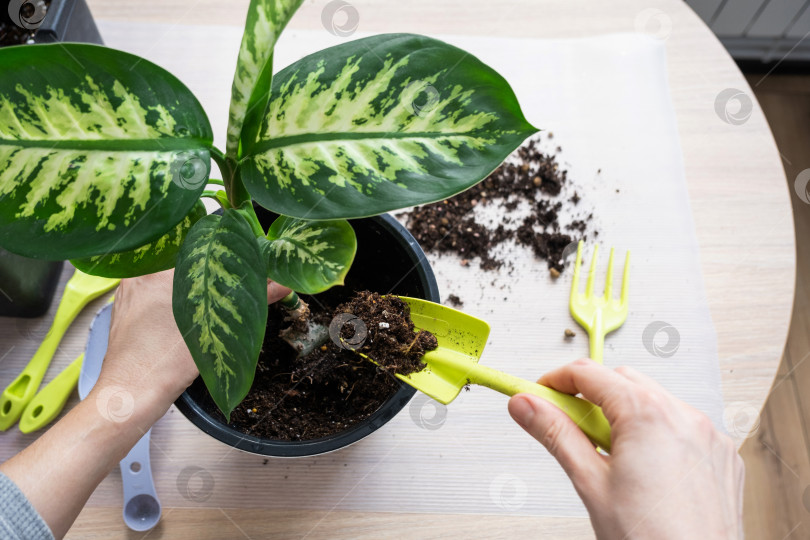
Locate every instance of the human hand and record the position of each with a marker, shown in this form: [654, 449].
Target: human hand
[670, 473]
[146, 367]
[146, 353]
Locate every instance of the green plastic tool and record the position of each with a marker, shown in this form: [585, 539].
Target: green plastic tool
[50, 401]
[599, 315]
[454, 364]
[79, 291]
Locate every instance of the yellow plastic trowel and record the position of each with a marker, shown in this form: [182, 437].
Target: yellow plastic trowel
[454, 364]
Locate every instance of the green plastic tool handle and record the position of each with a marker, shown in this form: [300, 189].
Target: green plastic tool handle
[596, 337]
[585, 414]
[50, 401]
[79, 291]
[20, 392]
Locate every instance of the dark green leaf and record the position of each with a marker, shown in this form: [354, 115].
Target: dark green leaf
[220, 304]
[155, 256]
[309, 256]
[100, 151]
[254, 68]
[377, 124]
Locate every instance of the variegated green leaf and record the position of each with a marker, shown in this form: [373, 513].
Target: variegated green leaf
[100, 151]
[220, 304]
[309, 256]
[378, 124]
[254, 68]
[155, 256]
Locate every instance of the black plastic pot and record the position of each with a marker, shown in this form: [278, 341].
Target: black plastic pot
[398, 266]
[28, 285]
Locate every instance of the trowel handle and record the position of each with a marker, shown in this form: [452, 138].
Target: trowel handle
[49, 402]
[21, 391]
[585, 414]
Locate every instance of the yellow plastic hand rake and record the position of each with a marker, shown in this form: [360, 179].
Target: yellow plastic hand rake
[599, 315]
[454, 364]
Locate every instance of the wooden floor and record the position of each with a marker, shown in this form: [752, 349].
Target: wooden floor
[777, 454]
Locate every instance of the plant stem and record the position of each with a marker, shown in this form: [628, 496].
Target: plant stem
[237, 194]
[216, 182]
[291, 301]
[222, 197]
[250, 214]
[222, 163]
[218, 196]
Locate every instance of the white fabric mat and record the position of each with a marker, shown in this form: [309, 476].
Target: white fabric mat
[606, 99]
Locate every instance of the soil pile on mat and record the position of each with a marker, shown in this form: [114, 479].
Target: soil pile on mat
[529, 176]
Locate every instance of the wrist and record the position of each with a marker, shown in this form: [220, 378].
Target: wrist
[153, 386]
[122, 409]
[104, 426]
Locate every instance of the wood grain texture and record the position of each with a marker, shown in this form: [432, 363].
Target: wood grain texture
[777, 455]
[262, 524]
[740, 206]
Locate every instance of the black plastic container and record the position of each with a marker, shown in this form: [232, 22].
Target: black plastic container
[391, 262]
[68, 20]
[28, 285]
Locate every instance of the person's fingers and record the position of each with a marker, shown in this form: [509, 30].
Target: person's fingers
[598, 384]
[561, 437]
[276, 292]
[639, 378]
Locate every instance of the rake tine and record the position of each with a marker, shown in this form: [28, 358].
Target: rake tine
[592, 272]
[577, 264]
[626, 279]
[609, 279]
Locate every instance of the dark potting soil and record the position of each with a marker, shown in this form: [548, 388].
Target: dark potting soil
[529, 175]
[332, 388]
[13, 34]
[387, 334]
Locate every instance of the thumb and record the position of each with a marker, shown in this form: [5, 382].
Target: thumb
[559, 434]
[276, 292]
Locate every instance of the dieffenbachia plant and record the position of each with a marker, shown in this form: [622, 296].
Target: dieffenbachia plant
[104, 158]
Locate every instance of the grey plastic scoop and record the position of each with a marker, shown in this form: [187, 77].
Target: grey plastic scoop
[141, 505]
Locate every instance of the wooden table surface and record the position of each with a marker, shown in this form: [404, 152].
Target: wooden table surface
[737, 189]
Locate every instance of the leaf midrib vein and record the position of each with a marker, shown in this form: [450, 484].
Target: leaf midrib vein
[208, 277]
[112, 145]
[314, 138]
